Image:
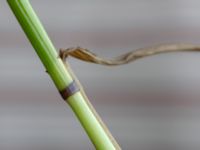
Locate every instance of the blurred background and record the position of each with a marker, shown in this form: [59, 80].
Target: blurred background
[151, 104]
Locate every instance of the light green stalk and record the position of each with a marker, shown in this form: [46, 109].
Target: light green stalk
[58, 72]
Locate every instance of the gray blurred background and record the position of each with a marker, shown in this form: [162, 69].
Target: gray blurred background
[151, 104]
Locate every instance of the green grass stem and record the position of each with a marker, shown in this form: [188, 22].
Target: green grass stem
[58, 72]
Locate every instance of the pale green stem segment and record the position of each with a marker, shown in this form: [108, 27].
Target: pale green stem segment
[58, 72]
